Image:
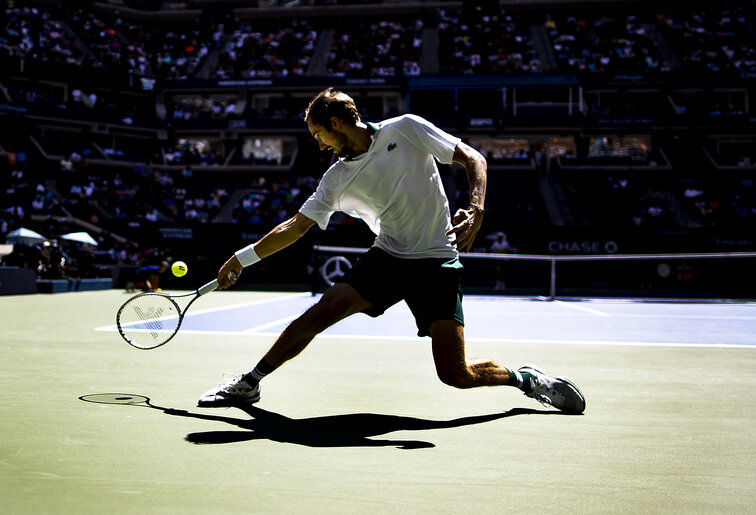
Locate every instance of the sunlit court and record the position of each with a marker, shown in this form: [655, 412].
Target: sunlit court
[377, 257]
[359, 422]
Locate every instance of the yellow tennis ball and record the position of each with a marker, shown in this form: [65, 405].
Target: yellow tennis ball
[179, 268]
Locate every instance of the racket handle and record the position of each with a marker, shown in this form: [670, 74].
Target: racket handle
[213, 285]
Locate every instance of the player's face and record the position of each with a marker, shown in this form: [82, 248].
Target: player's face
[332, 139]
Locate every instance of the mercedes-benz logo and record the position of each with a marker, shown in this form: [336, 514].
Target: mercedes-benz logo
[334, 268]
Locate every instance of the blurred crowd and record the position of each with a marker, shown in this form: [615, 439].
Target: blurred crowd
[476, 38]
[172, 181]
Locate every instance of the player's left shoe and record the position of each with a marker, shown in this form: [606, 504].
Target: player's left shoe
[559, 392]
[232, 392]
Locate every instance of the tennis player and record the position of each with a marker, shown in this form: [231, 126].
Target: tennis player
[386, 175]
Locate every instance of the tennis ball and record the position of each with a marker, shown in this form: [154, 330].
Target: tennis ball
[179, 268]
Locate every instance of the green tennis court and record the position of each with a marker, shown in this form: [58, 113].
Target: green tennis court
[359, 423]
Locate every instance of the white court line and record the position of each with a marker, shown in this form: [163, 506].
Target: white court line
[542, 314]
[110, 328]
[505, 341]
[582, 308]
[610, 343]
[687, 317]
[259, 330]
[270, 324]
[524, 341]
[251, 303]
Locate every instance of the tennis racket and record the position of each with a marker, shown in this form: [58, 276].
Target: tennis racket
[149, 320]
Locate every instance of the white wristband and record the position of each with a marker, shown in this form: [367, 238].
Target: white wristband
[247, 256]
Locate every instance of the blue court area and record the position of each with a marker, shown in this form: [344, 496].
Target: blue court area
[599, 321]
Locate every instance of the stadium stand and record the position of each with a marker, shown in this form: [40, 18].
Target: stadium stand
[155, 127]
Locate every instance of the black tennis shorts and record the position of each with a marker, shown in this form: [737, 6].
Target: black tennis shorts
[429, 286]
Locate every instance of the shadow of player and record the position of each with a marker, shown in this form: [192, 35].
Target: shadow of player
[347, 430]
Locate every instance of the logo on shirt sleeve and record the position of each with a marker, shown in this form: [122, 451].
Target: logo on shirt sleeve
[391, 147]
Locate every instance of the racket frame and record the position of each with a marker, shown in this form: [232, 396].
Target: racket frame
[202, 290]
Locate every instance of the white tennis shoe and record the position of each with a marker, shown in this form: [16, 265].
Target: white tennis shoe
[558, 392]
[231, 392]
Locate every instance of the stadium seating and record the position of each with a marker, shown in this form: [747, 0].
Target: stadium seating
[632, 117]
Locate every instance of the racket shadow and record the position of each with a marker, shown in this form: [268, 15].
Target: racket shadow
[346, 430]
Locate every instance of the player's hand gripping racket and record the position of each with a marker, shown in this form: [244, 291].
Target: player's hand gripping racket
[151, 319]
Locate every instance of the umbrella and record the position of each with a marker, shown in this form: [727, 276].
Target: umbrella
[25, 236]
[81, 237]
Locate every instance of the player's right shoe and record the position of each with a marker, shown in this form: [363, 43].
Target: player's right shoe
[231, 392]
[558, 392]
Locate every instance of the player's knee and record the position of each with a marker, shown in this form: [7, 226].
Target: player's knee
[337, 304]
[315, 320]
[323, 315]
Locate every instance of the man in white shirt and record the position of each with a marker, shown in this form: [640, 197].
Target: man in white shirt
[387, 176]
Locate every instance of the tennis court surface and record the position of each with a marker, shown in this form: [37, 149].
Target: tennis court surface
[359, 422]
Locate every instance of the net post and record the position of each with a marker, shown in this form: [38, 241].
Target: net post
[552, 284]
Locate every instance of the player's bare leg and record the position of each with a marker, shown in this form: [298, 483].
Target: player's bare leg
[338, 302]
[452, 365]
[454, 369]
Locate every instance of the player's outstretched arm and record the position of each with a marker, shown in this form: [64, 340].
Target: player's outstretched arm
[283, 235]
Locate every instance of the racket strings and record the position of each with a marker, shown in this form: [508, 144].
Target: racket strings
[148, 321]
[150, 316]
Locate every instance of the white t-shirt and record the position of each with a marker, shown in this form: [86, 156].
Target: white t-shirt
[395, 188]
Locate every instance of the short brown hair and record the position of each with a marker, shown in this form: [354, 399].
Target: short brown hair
[331, 102]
